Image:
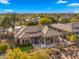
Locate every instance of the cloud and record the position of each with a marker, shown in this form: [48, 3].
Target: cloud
[49, 8]
[8, 11]
[73, 4]
[62, 1]
[76, 10]
[4, 1]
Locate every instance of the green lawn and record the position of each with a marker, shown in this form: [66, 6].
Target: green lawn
[25, 47]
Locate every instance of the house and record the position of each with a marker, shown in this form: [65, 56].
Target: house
[37, 36]
[45, 36]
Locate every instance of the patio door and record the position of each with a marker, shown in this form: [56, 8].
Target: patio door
[36, 40]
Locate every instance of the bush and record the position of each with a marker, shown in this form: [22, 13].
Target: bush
[73, 46]
[3, 47]
[31, 23]
[39, 54]
[61, 47]
[73, 38]
[18, 54]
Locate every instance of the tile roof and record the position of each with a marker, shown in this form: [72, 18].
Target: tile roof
[36, 31]
[52, 32]
[65, 27]
[30, 29]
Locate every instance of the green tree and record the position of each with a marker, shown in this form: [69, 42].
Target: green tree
[10, 21]
[13, 19]
[20, 23]
[45, 21]
[73, 38]
[52, 18]
[5, 22]
[31, 23]
[3, 47]
[64, 20]
[74, 20]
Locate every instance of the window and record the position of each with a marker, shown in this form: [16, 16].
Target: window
[18, 41]
[76, 27]
[76, 33]
[23, 41]
[26, 41]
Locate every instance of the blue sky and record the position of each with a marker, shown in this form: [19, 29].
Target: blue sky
[39, 6]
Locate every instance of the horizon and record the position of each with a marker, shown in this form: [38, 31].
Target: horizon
[39, 6]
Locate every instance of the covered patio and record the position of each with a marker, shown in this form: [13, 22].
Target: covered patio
[50, 39]
[47, 42]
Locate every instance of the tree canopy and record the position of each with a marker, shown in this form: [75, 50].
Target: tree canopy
[18, 54]
[3, 47]
[73, 38]
[5, 23]
[74, 20]
[45, 21]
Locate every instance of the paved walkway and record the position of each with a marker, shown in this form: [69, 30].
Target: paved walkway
[37, 46]
[2, 56]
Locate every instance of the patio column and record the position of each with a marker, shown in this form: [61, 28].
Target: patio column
[30, 40]
[21, 41]
[53, 39]
[44, 42]
[62, 36]
[40, 41]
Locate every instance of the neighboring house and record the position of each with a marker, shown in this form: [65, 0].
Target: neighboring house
[72, 28]
[67, 17]
[36, 19]
[27, 19]
[3, 33]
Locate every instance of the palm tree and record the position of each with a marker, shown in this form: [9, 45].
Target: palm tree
[4, 25]
[13, 20]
